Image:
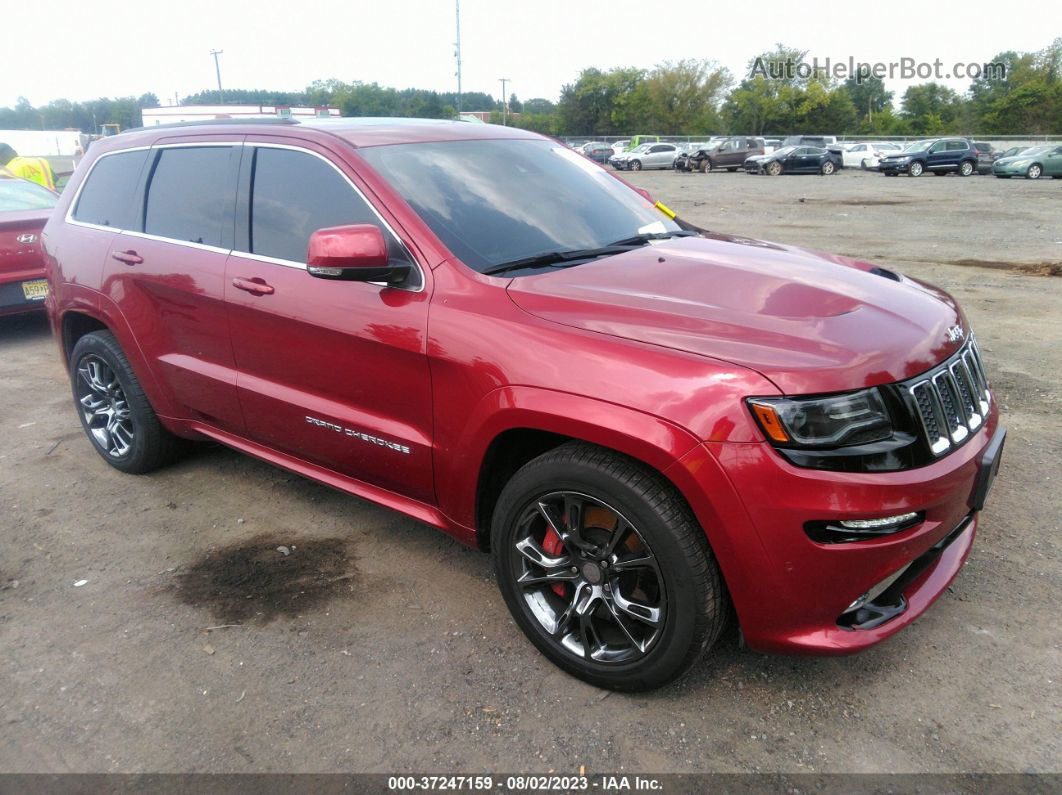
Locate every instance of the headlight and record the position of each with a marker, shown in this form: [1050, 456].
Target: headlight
[833, 421]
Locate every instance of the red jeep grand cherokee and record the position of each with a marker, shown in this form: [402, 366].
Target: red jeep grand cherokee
[492, 334]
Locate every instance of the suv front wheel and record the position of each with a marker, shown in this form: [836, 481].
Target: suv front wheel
[604, 568]
[915, 169]
[113, 409]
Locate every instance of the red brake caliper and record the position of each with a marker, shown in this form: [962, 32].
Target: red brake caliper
[552, 546]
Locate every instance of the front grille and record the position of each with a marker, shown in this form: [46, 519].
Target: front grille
[952, 399]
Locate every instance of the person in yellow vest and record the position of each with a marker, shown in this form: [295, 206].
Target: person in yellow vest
[35, 169]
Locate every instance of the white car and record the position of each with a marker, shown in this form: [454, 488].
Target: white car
[866, 154]
[650, 155]
[620, 147]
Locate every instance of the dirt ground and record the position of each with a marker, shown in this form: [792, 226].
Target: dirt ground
[372, 643]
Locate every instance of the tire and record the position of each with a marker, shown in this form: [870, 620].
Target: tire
[865, 164]
[676, 587]
[105, 388]
[940, 173]
[732, 170]
[1035, 171]
[915, 169]
[774, 168]
[634, 165]
[706, 166]
[828, 168]
[966, 168]
[1002, 176]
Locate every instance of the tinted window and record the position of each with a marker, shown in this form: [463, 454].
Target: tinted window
[19, 194]
[494, 201]
[295, 194]
[191, 194]
[955, 146]
[107, 197]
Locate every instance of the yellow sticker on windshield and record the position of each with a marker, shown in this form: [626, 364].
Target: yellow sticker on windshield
[665, 210]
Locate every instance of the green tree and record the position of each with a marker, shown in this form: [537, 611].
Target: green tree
[932, 109]
[868, 96]
[683, 98]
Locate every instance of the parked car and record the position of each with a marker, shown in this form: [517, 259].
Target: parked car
[865, 155]
[986, 156]
[1014, 150]
[729, 153]
[597, 151]
[772, 144]
[795, 160]
[681, 161]
[1032, 163]
[821, 141]
[660, 155]
[938, 156]
[651, 429]
[620, 146]
[24, 208]
[638, 140]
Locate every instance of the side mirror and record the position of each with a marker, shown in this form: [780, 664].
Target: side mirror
[356, 253]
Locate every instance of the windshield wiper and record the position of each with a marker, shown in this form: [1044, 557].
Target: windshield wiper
[645, 237]
[551, 258]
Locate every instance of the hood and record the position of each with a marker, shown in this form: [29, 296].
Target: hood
[759, 158]
[809, 322]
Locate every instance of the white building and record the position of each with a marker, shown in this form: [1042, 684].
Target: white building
[178, 113]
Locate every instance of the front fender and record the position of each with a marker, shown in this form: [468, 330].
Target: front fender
[649, 439]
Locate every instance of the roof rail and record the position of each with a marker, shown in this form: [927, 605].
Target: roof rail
[210, 123]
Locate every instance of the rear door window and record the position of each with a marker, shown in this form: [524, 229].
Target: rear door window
[191, 194]
[107, 199]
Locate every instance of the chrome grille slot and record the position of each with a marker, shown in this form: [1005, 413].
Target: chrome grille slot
[952, 399]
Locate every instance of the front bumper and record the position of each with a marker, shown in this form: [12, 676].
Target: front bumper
[893, 167]
[791, 593]
[1009, 170]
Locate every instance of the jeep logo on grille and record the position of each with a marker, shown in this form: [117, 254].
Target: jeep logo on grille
[955, 333]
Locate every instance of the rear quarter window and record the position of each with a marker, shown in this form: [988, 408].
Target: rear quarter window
[107, 198]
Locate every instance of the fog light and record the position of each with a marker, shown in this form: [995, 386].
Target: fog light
[839, 531]
[878, 524]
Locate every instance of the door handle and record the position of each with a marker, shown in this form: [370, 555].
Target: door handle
[128, 257]
[253, 286]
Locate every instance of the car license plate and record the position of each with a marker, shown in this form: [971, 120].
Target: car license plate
[35, 290]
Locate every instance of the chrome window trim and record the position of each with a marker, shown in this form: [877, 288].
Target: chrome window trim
[234, 251]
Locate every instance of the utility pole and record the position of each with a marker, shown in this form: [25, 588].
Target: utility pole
[505, 101]
[217, 69]
[457, 55]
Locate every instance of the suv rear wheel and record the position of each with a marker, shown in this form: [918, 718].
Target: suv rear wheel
[113, 409]
[604, 568]
[966, 168]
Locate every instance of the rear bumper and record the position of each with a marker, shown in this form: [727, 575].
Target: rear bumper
[793, 594]
[13, 298]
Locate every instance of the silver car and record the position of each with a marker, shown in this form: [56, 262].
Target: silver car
[651, 155]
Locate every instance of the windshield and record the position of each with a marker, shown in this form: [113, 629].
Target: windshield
[18, 194]
[917, 146]
[496, 201]
[1036, 150]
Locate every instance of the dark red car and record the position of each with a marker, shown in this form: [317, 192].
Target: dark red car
[24, 208]
[486, 331]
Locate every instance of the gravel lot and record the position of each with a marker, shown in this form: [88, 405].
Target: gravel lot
[399, 655]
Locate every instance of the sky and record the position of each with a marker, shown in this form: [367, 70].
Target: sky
[117, 48]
